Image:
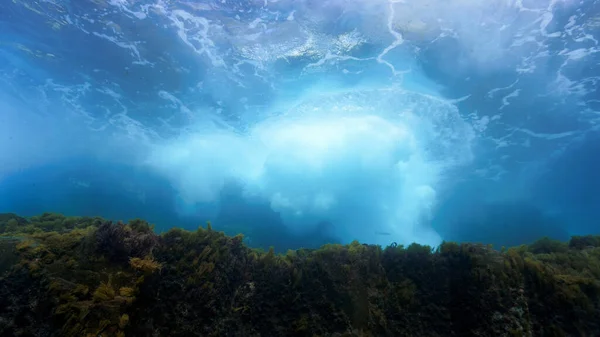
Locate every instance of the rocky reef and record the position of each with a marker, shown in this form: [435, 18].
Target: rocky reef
[78, 276]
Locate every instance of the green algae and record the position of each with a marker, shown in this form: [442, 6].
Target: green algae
[74, 276]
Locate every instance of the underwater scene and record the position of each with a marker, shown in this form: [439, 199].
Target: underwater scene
[299, 168]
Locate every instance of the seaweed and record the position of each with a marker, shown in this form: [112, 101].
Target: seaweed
[74, 276]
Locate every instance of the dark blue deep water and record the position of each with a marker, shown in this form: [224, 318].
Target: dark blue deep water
[304, 122]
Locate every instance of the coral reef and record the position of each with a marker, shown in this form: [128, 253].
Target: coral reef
[76, 276]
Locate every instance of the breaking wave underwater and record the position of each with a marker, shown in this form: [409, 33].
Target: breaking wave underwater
[382, 121]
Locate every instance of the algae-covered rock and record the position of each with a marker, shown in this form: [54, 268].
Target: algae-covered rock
[8, 254]
[90, 277]
[10, 222]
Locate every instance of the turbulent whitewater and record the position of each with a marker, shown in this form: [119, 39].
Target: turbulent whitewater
[382, 121]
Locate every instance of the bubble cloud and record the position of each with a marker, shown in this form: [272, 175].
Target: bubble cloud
[368, 162]
[381, 119]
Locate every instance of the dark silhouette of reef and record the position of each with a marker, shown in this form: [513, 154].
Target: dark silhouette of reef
[81, 276]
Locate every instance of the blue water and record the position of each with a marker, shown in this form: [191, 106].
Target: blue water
[305, 122]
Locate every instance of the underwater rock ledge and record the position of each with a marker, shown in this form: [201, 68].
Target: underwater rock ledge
[79, 276]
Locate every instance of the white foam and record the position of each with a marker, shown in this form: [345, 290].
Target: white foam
[493, 92]
[370, 164]
[513, 94]
[194, 31]
[291, 16]
[125, 45]
[123, 5]
[398, 40]
[548, 136]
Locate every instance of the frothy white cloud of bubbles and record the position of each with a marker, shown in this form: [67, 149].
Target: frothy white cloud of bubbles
[371, 162]
[368, 161]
